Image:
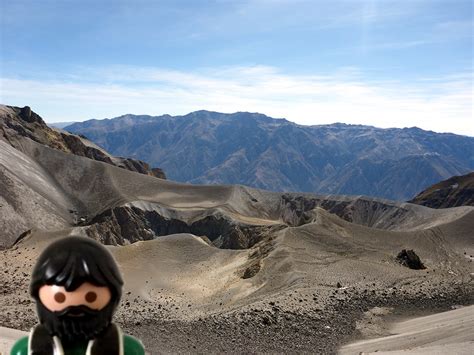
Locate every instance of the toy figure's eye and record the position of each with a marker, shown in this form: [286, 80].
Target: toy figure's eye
[91, 296]
[59, 297]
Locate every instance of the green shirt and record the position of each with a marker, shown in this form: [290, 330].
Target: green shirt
[131, 346]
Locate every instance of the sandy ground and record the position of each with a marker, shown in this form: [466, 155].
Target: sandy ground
[316, 287]
[443, 333]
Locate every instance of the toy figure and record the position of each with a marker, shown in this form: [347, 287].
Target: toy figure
[77, 286]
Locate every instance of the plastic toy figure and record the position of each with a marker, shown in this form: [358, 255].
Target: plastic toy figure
[77, 286]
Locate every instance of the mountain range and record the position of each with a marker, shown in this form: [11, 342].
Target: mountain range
[274, 154]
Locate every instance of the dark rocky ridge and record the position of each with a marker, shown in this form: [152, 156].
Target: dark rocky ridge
[274, 154]
[23, 122]
[298, 209]
[453, 192]
[123, 225]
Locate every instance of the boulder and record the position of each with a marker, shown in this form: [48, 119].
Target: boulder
[409, 259]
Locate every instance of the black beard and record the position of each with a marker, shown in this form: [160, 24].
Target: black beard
[72, 328]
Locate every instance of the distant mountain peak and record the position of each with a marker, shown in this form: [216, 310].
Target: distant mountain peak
[29, 116]
[253, 149]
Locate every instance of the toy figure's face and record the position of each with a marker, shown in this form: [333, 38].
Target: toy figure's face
[88, 270]
[56, 298]
[75, 315]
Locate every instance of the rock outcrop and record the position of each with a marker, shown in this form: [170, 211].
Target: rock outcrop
[125, 225]
[409, 259]
[23, 122]
[299, 209]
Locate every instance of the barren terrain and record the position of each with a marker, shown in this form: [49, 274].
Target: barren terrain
[227, 268]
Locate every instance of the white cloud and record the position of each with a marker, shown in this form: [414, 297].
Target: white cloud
[442, 104]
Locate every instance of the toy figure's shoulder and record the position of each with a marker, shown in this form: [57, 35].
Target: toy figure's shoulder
[20, 347]
[132, 346]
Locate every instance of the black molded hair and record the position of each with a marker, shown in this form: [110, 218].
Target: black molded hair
[71, 261]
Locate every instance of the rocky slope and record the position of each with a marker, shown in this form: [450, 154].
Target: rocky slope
[18, 122]
[453, 192]
[274, 154]
[46, 188]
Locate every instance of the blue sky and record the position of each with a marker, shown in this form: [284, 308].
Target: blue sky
[384, 63]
